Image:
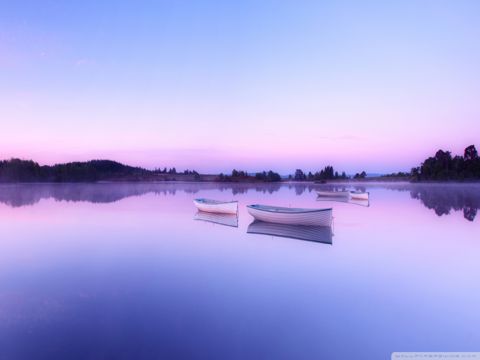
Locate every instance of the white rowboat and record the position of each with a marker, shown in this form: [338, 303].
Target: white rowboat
[346, 200]
[321, 234]
[359, 195]
[333, 193]
[215, 206]
[292, 216]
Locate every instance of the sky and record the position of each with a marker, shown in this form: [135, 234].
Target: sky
[254, 85]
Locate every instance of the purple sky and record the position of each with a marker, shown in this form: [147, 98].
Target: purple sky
[211, 85]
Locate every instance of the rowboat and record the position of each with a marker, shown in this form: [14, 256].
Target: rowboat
[215, 206]
[321, 234]
[333, 193]
[292, 216]
[346, 200]
[217, 218]
[359, 195]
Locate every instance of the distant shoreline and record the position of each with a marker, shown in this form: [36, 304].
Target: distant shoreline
[233, 183]
[442, 168]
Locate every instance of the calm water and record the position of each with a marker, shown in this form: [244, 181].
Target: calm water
[124, 271]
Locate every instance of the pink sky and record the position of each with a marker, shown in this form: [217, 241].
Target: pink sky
[357, 87]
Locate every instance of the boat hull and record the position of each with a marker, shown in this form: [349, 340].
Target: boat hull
[346, 200]
[359, 196]
[333, 193]
[311, 218]
[218, 208]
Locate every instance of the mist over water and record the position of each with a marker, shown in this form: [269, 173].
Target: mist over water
[442, 198]
[131, 271]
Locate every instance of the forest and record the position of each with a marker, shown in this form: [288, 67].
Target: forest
[16, 170]
[445, 167]
[440, 167]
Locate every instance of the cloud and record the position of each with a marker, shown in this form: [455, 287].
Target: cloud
[342, 138]
[84, 62]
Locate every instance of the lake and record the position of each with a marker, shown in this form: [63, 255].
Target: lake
[127, 271]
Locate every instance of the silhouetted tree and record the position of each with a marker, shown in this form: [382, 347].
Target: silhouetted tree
[470, 153]
[16, 170]
[443, 167]
[399, 174]
[361, 175]
[243, 176]
[326, 174]
[268, 177]
[299, 175]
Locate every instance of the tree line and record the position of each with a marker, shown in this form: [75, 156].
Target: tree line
[327, 173]
[16, 170]
[440, 167]
[243, 176]
[444, 167]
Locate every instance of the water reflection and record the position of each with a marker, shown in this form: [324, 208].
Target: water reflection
[220, 219]
[346, 200]
[301, 188]
[443, 202]
[141, 279]
[29, 194]
[16, 195]
[322, 234]
[442, 198]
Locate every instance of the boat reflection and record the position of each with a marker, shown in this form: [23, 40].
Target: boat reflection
[220, 219]
[443, 199]
[322, 234]
[360, 202]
